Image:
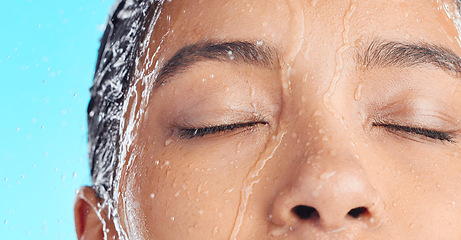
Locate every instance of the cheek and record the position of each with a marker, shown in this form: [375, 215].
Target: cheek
[421, 190]
[178, 189]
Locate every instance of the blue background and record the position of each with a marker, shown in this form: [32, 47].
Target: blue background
[48, 50]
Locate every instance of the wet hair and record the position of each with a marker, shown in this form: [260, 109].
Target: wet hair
[116, 57]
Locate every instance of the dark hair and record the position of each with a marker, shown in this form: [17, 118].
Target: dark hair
[116, 57]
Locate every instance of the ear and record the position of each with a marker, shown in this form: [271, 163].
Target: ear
[89, 218]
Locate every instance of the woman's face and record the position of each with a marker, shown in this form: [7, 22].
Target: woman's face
[297, 120]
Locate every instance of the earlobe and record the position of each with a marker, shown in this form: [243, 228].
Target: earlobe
[90, 221]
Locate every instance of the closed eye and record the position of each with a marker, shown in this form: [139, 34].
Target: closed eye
[188, 133]
[432, 134]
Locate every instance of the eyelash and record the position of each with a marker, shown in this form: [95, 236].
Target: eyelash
[189, 133]
[432, 134]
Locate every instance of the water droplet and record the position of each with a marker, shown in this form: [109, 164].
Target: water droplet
[172, 218]
[411, 226]
[152, 195]
[315, 194]
[418, 187]
[200, 212]
[358, 92]
[231, 55]
[6, 222]
[168, 142]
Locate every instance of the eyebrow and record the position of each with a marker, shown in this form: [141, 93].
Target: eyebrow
[396, 54]
[253, 53]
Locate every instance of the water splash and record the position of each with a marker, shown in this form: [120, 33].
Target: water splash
[112, 88]
[453, 10]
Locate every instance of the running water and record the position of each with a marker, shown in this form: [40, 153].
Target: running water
[346, 44]
[250, 180]
[296, 40]
[131, 10]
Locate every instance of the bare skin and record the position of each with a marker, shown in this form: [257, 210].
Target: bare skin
[318, 142]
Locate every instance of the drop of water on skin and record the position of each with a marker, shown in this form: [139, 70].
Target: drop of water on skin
[315, 194]
[395, 204]
[172, 218]
[152, 195]
[6, 222]
[327, 175]
[418, 187]
[358, 92]
[168, 142]
[200, 212]
[411, 226]
[438, 185]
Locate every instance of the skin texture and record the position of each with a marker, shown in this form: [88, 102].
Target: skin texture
[319, 137]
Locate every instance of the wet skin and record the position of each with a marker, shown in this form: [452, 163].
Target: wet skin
[323, 140]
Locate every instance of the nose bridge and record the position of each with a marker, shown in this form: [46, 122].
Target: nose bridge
[330, 188]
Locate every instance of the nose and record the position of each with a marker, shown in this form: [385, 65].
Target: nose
[329, 194]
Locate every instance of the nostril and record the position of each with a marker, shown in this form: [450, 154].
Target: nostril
[304, 212]
[357, 212]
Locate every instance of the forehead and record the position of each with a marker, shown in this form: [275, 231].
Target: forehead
[191, 21]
